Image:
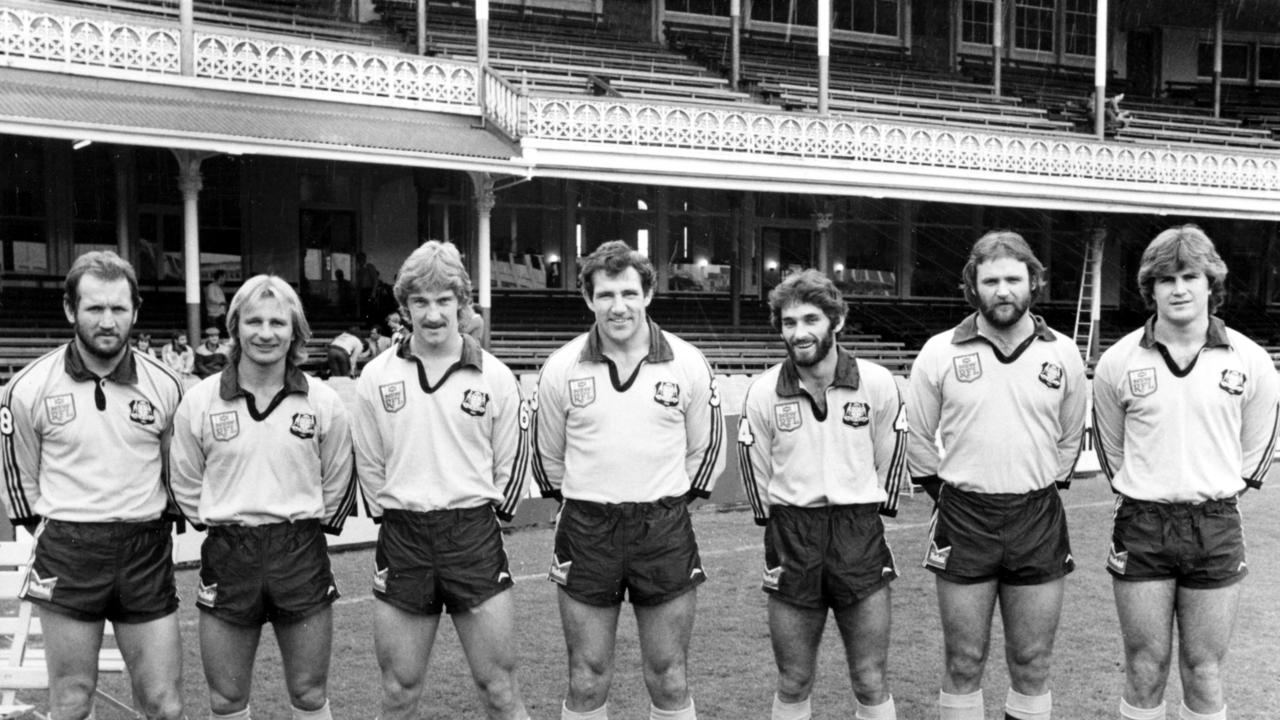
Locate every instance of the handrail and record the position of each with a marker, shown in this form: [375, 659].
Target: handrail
[505, 105]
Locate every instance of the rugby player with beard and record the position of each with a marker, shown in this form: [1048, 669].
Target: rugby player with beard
[1005, 397]
[822, 443]
[83, 431]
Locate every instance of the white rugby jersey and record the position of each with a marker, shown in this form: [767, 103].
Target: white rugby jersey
[84, 448]
[604, 439]
[460, 443]
[1185, 435]
[1008, 424]
[854, 452]
[233, 463]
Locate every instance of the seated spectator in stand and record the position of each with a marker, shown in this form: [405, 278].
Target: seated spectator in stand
[179, 356]
[212, 355]
[399, 330]
[143, 345]
[471, 322]
[344, 352]
[215, 301]
[376, 342]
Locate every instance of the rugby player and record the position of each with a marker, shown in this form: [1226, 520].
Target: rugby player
[1185, 413]
[84, 430]
[1007, 396]
[628, 431]
[261, 457]
[442, 451]
[822, 444]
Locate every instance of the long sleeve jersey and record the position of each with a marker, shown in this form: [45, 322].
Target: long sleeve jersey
[1170, 434]
[460, 443]
[604, 439]
[1008, 424]
[84, 448]
[851, 452]
[233, 463]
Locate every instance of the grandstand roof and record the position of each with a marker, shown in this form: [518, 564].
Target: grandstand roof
[48, 104]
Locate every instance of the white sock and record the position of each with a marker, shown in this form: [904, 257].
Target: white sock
[685, 713]
[242, 715]
[600, 713]
[791, 711]
[1187, 713]
[320, 713]
[960, 707]
[1028, 707]
[1129, 712]
[884, 711]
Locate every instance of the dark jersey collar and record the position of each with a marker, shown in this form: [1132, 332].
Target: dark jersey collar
[472, 353]
[295, 381]
[967, 330]
[659, 349]
[125, 372]
[846, 375]
[1215, 336]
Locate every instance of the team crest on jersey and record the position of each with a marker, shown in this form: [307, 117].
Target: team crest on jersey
[1232, 381]
[393, 397]
[968, 367]
[745, 437]
[207, 595]
[61, 409]
[1051, 375]
[37, 587]
[225, 425]
[787, 416]
[666, 394]
[559, 571]
[771, 578]
[474, 402]
[304, 425]
[857, 414]
[582, 392]
[142, 412]
[1142, 382]
[1116, 560]
[937, 557]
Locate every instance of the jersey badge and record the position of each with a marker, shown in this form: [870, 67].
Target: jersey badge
[559, 571]
[745, 437]
[968, 367]
[207, 595]
[1116, 560]
[582, 392]
[61, 409]
[380, 579]
[857, 414]
[771, 578]
[226, 425]
[474, 402]
[1232, 381]
[304, 425]
[142, 412]
[787, 416]
[1051, 375]
[1142, 382]
[37, 587]
[937, 557]
[666, 394]
[393, 397]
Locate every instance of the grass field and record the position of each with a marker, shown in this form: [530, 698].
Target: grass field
[732, 671]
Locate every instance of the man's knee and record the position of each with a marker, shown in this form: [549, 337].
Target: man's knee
[311, 696]
[1029, 665]
[71, 699]
[499, 690]
[869, 683]
[794, 684]
[163, 705]
[667, 682]
[589, 681]
[965, 664]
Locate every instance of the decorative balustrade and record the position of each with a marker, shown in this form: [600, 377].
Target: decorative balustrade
[758, 133]
[504, 103]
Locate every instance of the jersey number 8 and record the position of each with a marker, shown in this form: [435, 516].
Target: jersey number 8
[6, 422]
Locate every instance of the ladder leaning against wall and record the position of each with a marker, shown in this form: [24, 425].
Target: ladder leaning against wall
[1089, 304]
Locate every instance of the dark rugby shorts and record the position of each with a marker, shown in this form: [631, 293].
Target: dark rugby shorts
[826, 557]
[277, 573]
[430, 561]
[91, 571]
[1200, 545]
[1014, 538]
[643, 550]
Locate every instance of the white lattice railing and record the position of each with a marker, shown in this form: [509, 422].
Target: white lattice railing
[763, 133]
[74, 42]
